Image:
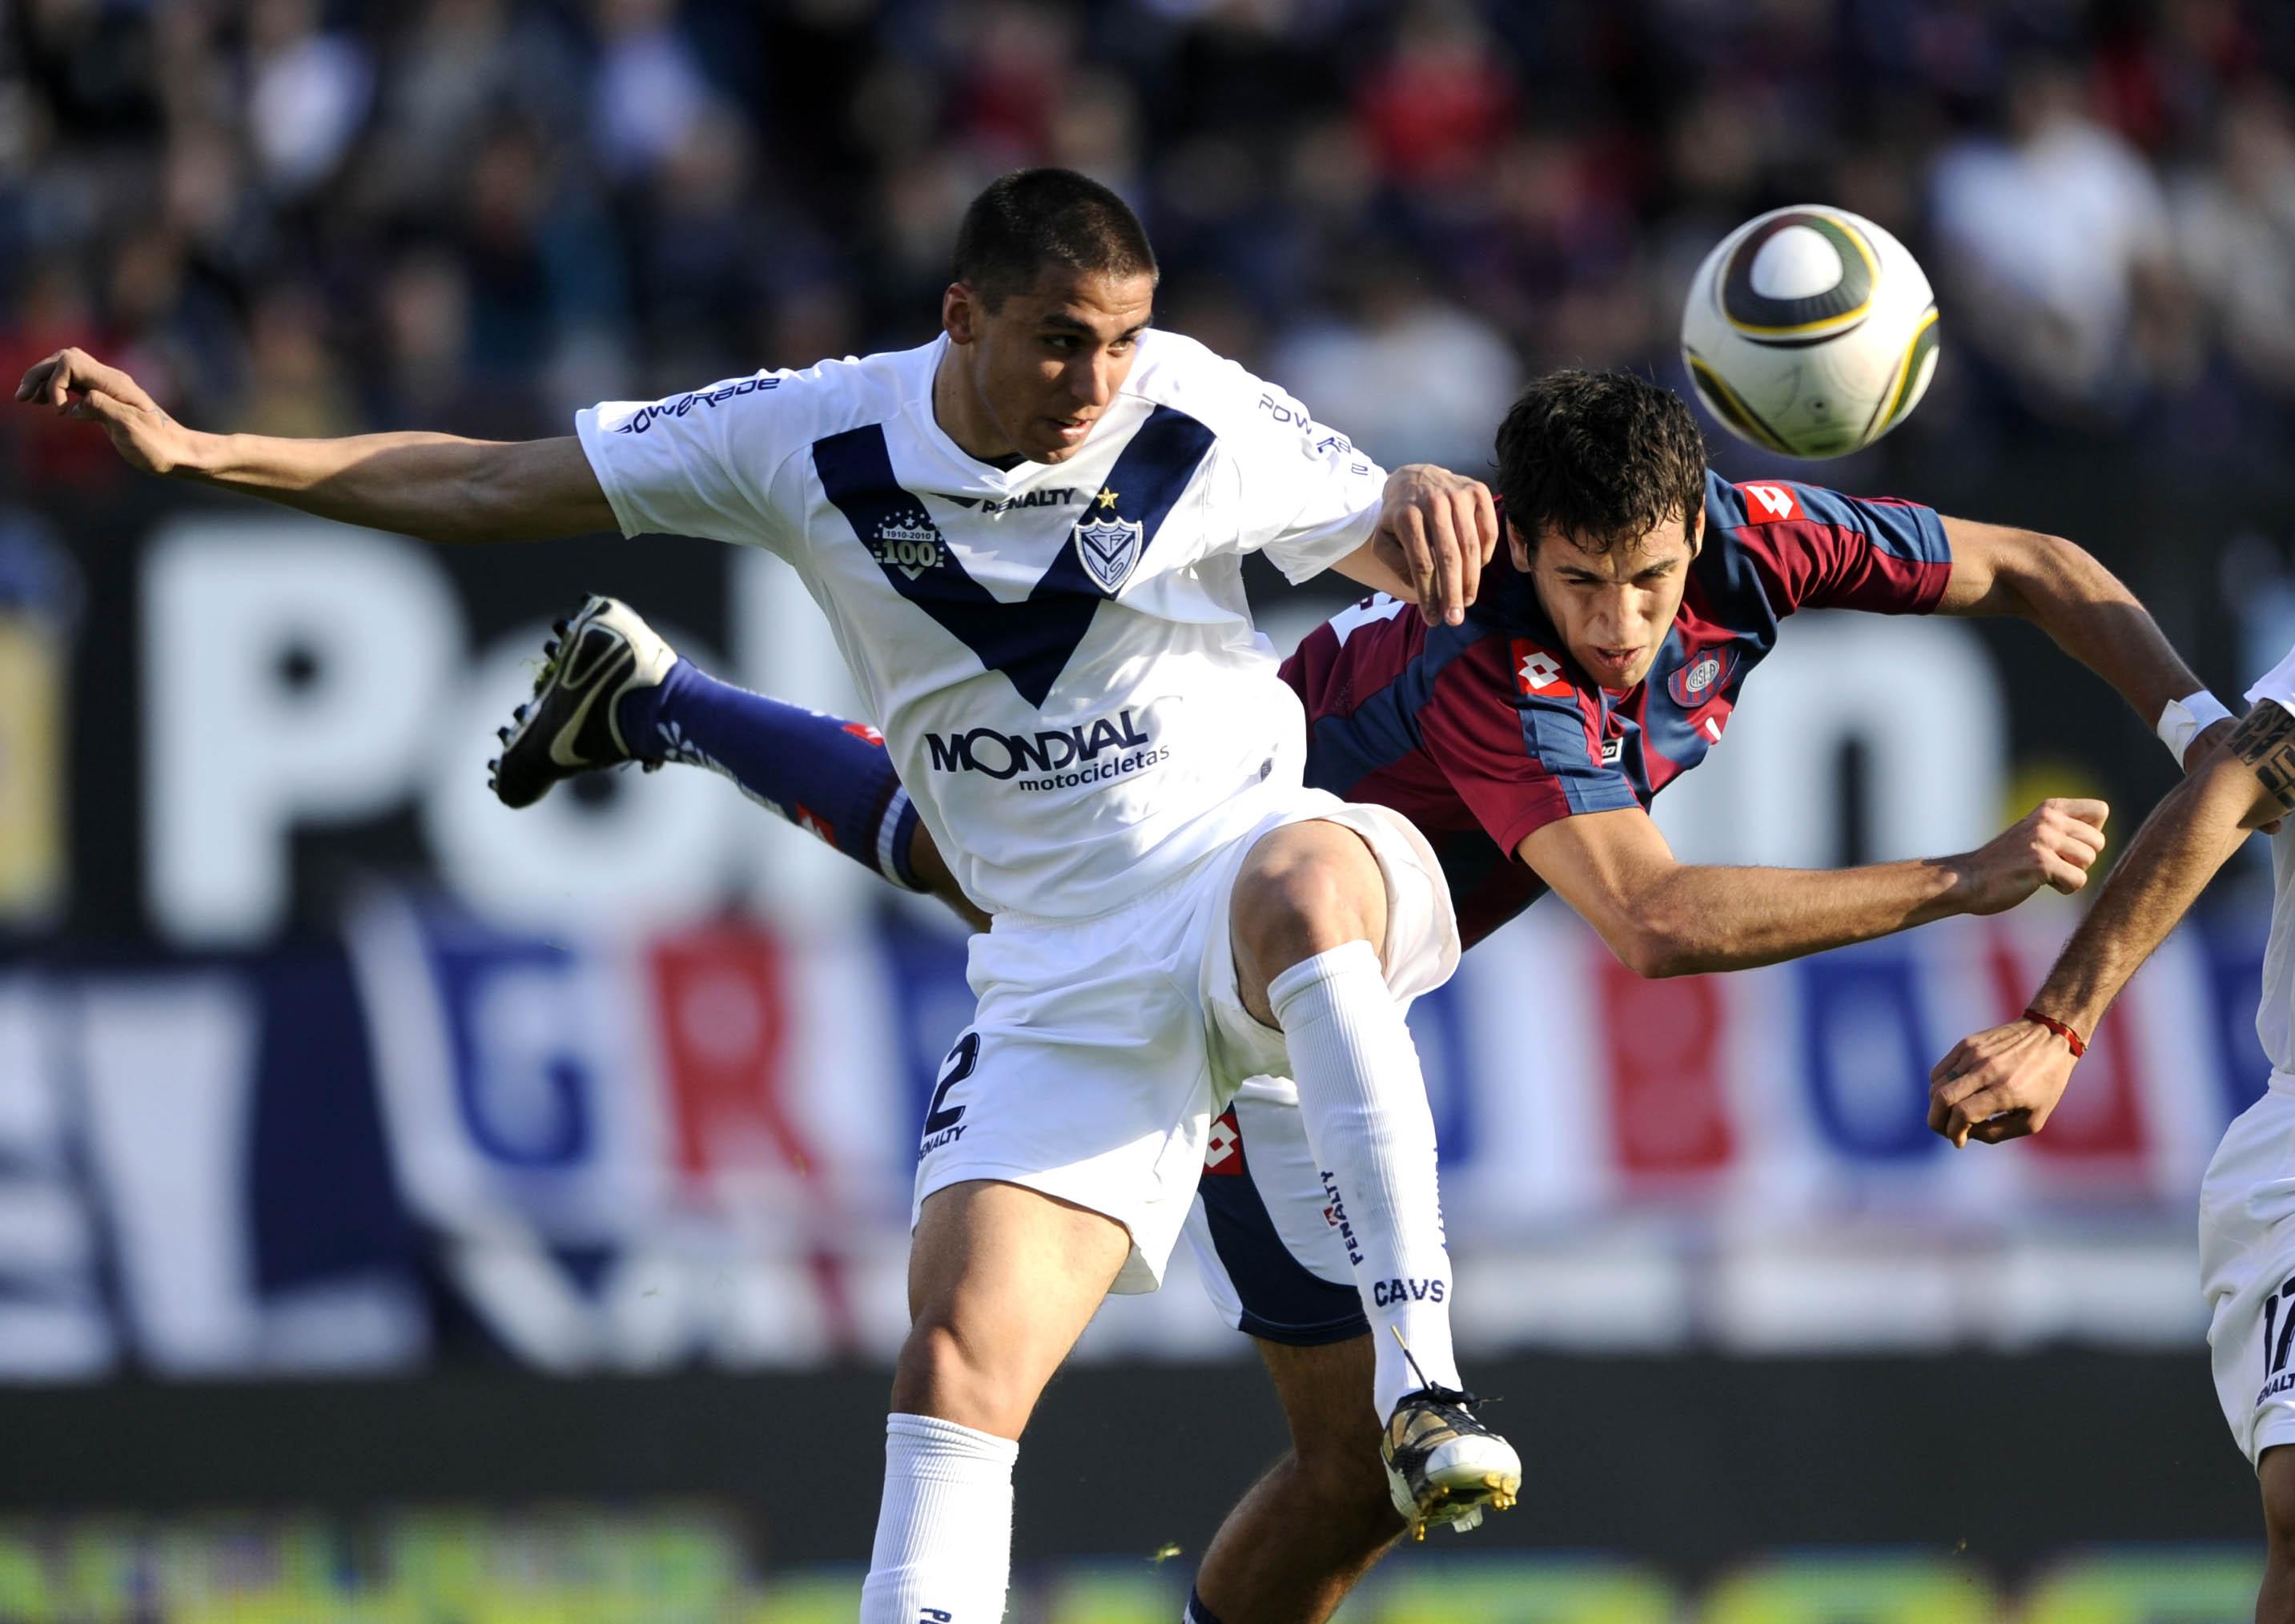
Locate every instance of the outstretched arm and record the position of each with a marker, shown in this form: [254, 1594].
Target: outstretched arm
[2059, 587]
[436, 487]
[1666, 918]
[2003, 1084]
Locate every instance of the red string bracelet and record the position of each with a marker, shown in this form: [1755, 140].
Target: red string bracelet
[2072, 1039]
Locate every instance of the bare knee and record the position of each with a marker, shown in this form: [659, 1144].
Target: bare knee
[1305, 890]
[943, 1374]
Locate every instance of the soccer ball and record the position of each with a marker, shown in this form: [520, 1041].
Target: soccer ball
[1810, 331]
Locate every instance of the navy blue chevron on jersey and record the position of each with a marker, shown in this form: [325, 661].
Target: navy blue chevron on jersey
[1484, 732]
[1059, 656]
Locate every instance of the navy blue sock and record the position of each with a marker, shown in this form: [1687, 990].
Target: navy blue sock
[1197, 1613]
[822, 773]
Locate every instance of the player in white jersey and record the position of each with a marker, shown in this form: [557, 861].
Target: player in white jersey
[2002, 1084]
[1027, 537]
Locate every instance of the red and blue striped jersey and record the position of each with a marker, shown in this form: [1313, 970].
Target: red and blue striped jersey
[1482, 732]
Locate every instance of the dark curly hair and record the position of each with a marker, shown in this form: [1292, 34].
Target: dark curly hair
[1602, 457]
[1034, 217]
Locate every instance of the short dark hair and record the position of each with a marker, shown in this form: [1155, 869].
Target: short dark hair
[1034, 217]
[1605, 458]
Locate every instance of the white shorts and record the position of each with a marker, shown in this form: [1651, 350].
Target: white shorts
[1102, 1048]
[2247, 1268]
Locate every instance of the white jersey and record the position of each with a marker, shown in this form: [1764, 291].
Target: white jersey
[2272, 1015]
[1059, 656]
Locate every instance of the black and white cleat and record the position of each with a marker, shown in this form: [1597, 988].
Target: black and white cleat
[570, 726]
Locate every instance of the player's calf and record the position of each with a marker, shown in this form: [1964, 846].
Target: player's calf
[1301, 1539]
[1309, 1529]
[2274, 1602]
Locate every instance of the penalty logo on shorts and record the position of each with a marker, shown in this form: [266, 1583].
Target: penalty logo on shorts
[1109, 548]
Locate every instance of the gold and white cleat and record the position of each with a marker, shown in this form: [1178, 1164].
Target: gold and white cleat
[1443, 1464]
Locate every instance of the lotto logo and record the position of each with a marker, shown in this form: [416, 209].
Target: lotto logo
[863, 730]
[1223, 1146]
[1537, 672]
[1766, 504]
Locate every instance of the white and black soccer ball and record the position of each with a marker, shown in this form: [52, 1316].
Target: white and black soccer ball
[1810, 331]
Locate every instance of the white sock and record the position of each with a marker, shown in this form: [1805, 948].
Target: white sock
[1363, 1102]
[943, 1550]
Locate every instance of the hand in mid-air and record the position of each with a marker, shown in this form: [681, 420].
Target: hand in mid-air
[2003, 1083]
[2054, 844]
[2000, 1084]
[75, 384]
[1437, 529]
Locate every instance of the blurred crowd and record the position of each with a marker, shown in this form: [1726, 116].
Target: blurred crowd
[313, 217]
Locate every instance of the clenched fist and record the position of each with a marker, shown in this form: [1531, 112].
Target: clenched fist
[2055, 844]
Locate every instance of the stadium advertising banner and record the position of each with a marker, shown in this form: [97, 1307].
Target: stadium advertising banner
[634, 1152]
[303, 1022]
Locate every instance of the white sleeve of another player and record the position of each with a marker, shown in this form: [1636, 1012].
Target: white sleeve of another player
[694, 464]
[1304, 494]
[2276, 685]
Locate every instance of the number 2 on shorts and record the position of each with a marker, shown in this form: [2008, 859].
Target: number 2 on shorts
[939, 1117]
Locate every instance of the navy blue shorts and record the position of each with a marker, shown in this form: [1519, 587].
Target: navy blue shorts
[1262, 1227]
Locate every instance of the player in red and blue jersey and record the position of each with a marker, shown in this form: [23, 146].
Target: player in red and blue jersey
[1603, 656]
[1485, 733]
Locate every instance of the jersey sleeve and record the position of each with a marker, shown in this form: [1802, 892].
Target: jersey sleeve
[1304, 494]
[1818, 548]
[2276, 685]
[1517, 741]
[700, 463]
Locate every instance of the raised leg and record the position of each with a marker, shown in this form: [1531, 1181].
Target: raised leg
[1310, 933]
[1312, 940]
[828, 775]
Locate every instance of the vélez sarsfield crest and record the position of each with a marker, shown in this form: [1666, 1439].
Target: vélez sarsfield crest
[1109, 548]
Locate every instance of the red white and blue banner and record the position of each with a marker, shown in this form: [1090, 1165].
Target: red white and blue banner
[631, 1079]
[694, 1145]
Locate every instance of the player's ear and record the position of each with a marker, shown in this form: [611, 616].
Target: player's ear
[1697, 530]
[960, 313]
[1518, 548]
